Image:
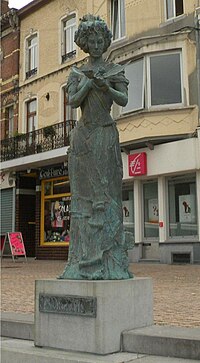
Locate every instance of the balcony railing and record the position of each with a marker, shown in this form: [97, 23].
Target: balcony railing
[68, 55]
[31, 72]
[45, 139]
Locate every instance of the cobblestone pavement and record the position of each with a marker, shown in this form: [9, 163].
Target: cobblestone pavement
[176, 288]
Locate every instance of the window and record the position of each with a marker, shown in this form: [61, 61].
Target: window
[174, 8]
[154, 80]
[151, 212]
[118, 19]
[69, 113]
[31, 115]
[68, 31]
[135, 75]
[55, 215]
[182, 207]
[9, 122]
[31, 55]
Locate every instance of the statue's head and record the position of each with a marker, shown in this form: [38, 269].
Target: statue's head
[89, 25]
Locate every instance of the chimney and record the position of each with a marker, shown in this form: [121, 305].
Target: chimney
[4, 6]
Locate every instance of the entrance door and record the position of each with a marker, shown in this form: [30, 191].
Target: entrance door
[27, 208]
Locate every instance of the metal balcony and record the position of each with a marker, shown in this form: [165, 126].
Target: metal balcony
[45, 139]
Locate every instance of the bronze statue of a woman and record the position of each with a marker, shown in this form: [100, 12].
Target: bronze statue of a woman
[98, 243]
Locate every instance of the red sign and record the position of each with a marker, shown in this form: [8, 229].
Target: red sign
[137, 164]
[16, 244]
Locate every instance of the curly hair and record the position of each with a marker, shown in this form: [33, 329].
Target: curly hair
[88, 25]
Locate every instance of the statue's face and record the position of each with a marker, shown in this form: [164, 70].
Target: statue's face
[95, 45]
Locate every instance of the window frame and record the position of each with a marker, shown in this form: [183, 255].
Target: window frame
[31, 115]
[46, 198]
[9, 121]
[121, 15]
[146, 86]
[184, 179]
[65, 54]
[143, 89]
[148, 76]
[151, 223]
[31, 52]
[174, 16]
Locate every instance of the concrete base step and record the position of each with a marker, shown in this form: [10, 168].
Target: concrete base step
[167, 341]
[149, 260]
[21, 351]
[16, 325]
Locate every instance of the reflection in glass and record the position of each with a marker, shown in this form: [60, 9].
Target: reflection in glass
[151, 212]
[165, 73]
[61, 187]
[57, 219]
[128, 210]
[182, 207]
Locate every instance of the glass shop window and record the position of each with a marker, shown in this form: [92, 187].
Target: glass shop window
[128, 210]
[55, 211]
[182, 207]
[151, 212]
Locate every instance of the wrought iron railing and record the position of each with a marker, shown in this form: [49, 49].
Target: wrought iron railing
[68, 55]
[45, 139]
[31, 72]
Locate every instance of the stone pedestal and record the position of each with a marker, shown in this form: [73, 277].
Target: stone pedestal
[89, 316]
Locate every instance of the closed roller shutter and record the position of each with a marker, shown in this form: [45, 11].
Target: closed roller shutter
[6, 210]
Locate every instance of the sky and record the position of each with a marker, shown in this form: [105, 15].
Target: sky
[18, 4]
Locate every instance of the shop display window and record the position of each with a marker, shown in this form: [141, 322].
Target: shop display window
[55, 211]
[128, 210]
[182, 207]
[151, 212]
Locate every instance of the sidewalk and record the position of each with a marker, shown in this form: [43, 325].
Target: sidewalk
[176, 288]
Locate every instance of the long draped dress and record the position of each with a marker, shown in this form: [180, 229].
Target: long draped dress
[98, 243]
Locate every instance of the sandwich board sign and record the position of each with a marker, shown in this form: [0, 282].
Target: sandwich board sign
[14, 245]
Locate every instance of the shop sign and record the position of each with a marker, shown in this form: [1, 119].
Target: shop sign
[53, 172]
[137, 164]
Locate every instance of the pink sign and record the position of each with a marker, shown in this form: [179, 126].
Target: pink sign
[137, 164]
[16, 244]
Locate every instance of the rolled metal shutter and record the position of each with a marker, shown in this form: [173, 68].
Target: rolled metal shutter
[7, 210]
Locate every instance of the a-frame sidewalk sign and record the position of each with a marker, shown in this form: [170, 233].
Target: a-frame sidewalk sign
[13, 245]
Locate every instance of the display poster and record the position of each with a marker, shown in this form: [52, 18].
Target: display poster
[153, 210]
[128, 217]
[187, 210]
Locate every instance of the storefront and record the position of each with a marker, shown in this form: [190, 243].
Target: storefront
[163, 200]
[54, 199]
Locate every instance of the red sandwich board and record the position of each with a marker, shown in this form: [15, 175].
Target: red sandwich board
[13, 245]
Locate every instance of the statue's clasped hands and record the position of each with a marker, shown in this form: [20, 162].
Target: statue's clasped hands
[97, 79]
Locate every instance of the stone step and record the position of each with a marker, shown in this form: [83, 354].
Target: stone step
[167, 341]
[17, 325]
[149, 260]
[23, 351]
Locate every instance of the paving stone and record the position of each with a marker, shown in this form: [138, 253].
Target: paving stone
[176, 288]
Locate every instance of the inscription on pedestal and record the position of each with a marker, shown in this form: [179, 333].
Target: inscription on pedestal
[68, 304]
